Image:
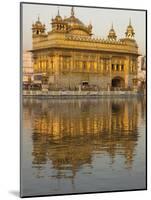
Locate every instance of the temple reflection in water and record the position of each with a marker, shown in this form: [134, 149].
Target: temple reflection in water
[70, 132]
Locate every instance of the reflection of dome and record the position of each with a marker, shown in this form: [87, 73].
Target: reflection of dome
[71, 147]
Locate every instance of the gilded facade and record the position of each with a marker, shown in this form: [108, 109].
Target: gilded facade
[70, 57]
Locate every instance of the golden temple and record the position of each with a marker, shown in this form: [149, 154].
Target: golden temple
[69, 56]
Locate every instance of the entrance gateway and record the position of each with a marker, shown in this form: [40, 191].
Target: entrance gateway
[118, 82]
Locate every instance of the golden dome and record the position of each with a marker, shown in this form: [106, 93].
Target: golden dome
[76, 24]
[130, 28]
[72, 20]
[70, 25]
[38, 22]
[58, 17]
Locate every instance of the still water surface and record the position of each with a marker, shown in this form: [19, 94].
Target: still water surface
[74, 146]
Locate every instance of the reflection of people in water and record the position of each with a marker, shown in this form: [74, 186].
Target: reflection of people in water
[69, 132]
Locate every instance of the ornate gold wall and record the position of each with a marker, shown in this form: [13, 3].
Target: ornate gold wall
[69, 55]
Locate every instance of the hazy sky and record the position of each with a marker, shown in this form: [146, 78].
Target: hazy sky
[101, 20]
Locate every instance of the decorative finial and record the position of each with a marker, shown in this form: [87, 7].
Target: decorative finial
[130, 31]
[38, 18]
[112, 34]
[58, 12]
[72, 11]
[90, 25]
[129, 21]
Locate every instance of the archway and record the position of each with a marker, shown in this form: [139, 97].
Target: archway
[118, 82]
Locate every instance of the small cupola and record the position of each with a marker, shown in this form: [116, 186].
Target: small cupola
[38, 28]
[112, 34]
[130, 31]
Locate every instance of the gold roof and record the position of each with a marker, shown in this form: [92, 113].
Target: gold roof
[72, 23]
[72, 20]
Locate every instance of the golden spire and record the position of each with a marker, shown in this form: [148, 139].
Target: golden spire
[58, 17]
[130, 31]
[72, 11]
[58, 12]
[129, 21]
[90, 25]
[90, 28]
[112, 34]
[38, 18]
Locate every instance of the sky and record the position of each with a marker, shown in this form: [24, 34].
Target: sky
[100, 18]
